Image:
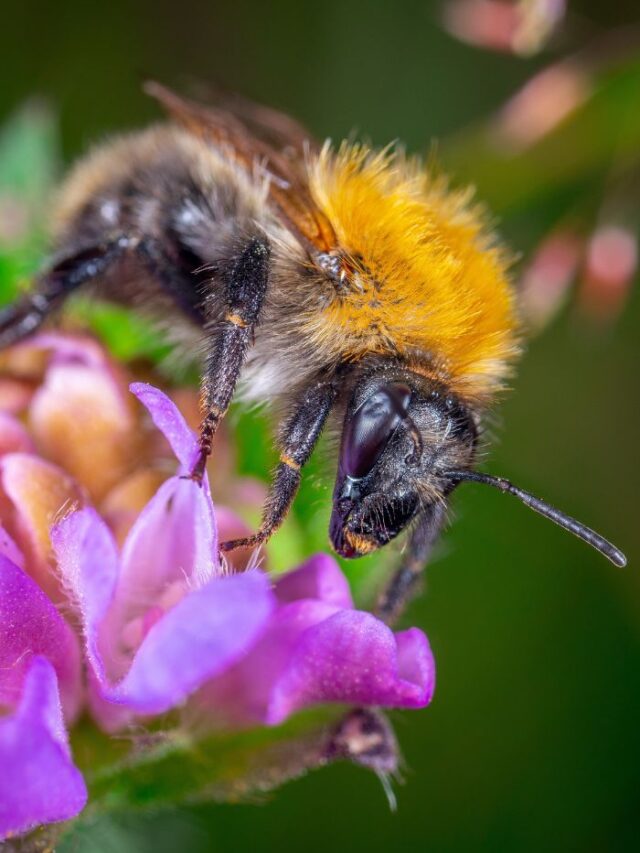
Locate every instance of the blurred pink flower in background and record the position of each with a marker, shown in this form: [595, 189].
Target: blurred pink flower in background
[522, 26]
[545, 282]
[541, 105]
[610, 268]
[605, 263]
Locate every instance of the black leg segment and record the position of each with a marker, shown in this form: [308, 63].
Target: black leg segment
[246, 286]
[22, 318]
[398, 592]
[299, 437]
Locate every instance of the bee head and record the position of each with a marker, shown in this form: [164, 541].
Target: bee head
[401, 435]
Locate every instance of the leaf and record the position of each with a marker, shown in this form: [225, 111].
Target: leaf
[169, 768]
[29, 162]
[29, 156]
[127, 335]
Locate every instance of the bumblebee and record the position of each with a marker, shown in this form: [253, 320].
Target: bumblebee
[332, 282]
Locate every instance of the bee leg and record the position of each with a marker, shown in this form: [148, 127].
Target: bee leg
[399, 591]
[299, 437]
[23, 317]
[246, 284]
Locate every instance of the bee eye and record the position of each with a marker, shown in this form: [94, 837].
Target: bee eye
[368, 431]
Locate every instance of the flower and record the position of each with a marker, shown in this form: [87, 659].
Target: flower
[610, 267]
[521, 27]
[113, 598]
[546, 279]
[38, 781]
[541, 105]
[318, 648]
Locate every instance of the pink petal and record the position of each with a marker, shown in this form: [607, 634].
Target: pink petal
[68, 349]
[242, 695]
[320, 577]
[38, 493]
[38, 781]
[9, 549]
[125, 502]
[202, 636]
[355, 658]
[542, 104]
[546, 280]
[610, 268]
[88, 563]
[173, 539]
[314, 652]
[13, 436]
[207, 631]
[172, 425]
[82, 419]
[15, 395]
[30, 625]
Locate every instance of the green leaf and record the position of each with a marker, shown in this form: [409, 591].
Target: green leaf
[163, 769]
[29, 156]
[127, 335]
[29, 162]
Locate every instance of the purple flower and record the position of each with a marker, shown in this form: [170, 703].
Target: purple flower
[161, 618]
[38, 781]
[317, 649]
[159, 623]
[162, 621]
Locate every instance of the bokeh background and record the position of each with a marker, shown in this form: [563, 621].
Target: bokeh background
[533, 740]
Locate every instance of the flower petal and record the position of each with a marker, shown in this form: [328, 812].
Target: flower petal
[38, 781]
[65, 348]
[242, 695]
[15, 395]
[320, 577]
[196, 639]
[30, 625]
[172, 425]
[83, 421]
[173, 539]
[173, 542]
[416, 663]
[315, 652]
[125, 502]
[202, 636]
[9, 549]
[354, 657]
[13, 436]
[39, 492]
[88, 564]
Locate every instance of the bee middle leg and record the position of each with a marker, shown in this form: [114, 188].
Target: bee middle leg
[399, 590]
[246, 286]
[299, 437]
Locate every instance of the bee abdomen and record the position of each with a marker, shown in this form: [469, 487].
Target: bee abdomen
[183, 204]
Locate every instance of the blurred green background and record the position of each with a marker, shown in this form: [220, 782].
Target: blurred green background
[533, 739]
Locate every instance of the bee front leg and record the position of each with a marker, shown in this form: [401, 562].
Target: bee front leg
[23, 317]
[246, 286]
[399, 591]
[299, 437]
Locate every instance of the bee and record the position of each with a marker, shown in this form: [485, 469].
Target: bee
[334, 282]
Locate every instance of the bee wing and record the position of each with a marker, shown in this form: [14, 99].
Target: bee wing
[265, 139]
[277, 129]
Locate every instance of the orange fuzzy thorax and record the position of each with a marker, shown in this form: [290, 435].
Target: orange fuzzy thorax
[425, 279]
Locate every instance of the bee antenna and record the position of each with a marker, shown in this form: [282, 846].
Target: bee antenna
[580, 530]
